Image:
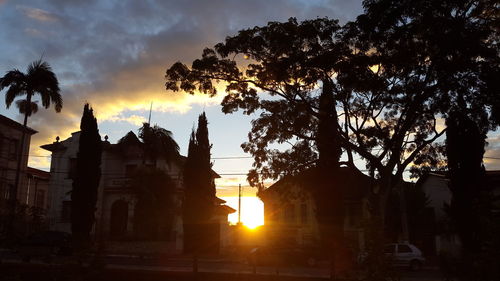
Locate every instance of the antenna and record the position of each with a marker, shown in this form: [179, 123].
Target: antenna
[150, 109]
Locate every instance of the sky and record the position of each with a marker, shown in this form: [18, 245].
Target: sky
[113, 54]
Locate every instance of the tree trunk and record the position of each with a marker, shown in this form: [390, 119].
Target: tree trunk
[14, 188]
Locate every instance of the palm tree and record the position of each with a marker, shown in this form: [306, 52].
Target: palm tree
[158, 142]
[39, 79]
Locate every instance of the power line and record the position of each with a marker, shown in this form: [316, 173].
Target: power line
[221, 157]
[213, 158]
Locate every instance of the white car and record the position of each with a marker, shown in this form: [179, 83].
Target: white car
[405, 254]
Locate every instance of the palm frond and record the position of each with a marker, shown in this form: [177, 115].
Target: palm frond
[44, 81]
[159, 141]
[13, 77]
[15, 80]
[15, 90]
[23, 107]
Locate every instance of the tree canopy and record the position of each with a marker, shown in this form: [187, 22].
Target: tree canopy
[393, 74]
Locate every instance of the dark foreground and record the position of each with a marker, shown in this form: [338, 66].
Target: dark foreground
[47, 272]
[56, 272]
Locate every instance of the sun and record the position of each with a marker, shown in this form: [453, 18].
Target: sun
[252, 211]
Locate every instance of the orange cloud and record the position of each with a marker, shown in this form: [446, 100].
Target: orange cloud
[38, 14]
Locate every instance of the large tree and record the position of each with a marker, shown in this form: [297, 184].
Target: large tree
[39, 79]
[86, 181]
[393, 73]
[199, 190]
[442, 56]
[290, 66]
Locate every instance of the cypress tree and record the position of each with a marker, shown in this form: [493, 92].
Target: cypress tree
[86, 181]
[465, 143]
[199, 190]
[328, 196]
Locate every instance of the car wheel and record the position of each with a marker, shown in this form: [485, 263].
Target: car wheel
[415, 265]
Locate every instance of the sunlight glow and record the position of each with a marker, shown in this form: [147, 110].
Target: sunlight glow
[252, 211]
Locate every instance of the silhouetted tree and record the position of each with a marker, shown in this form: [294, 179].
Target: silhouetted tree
[199, 190]
[86, 181]
[292, 63]
[394, 73]
[39, 79]
[426, 55]
[289, 63]
[158, 142]
[465, 149]
[329, 197]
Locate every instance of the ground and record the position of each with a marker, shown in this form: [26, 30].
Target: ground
[125, 268]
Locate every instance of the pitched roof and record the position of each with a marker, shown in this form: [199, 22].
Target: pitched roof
[355, 184]
[38, 173]
[13, 124]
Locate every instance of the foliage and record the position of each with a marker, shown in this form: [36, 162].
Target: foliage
[291, 64]
[280, 80]
[154, 210]
[158, 142]
[39, 79]
[394, 74]
[86, 181]
[199, 190]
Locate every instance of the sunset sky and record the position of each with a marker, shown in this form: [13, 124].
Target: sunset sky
[113, 54]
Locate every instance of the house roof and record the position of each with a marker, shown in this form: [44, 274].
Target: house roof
[38, 173]
[224, 209]
[52, 147]
[129, 139]
[219, 201]
[355, 184]
[13, 124]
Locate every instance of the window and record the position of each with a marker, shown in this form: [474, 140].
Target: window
[303, 213]
[66, 211]
[40, 198]
[13, 149]
[404, 248]
[72, 168]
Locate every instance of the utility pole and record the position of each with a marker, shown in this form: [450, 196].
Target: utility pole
[239, 204]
